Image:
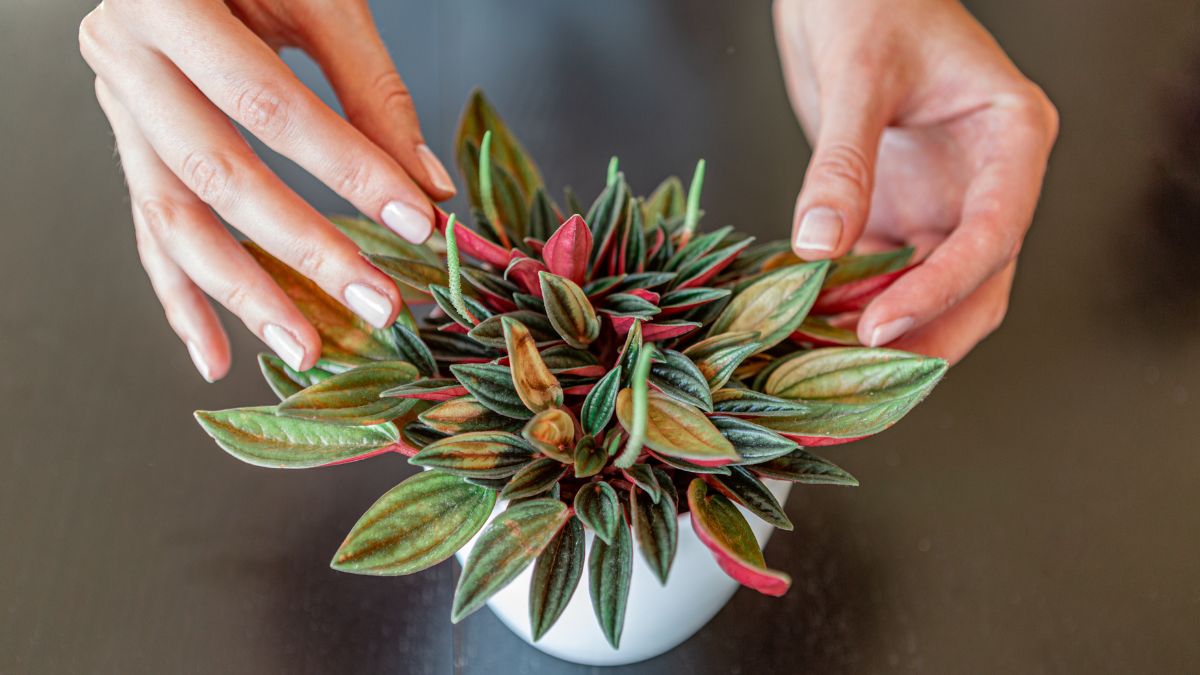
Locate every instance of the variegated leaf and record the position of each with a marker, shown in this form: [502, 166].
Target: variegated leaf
[478, 454]
[854, 375]
[717, 357]
[463, 414]
[492, 386]
[774, 305]
[598, 407]
[590, 457]
[678, 377]
[534, 478]
[656, 527]
[801, 466]
[744, 488]
[535, 385]
[353, 397]
[556, 574]
[723, 529]
[754, 444]
[677, 429]
[596, 505]
[569, 311]
[610, 568]
[258, 436]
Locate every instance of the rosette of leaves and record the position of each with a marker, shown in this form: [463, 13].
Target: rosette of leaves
[602, 369]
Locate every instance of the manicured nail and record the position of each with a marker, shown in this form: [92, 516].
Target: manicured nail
[819, 230]
[370, 304]
[886, 332]
[199, 362]
[407, 222]
[433, 167]
[283, 343]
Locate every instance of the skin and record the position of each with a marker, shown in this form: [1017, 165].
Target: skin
[945, 150]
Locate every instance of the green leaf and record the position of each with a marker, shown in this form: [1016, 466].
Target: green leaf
[343, 335]
[598, 407]
[596, 505]
[610, 568]
[677, 429]
[506, 547]
[372, 238]
[856, 267]
[411, 273]
[258, 436]
[444, 300]
[677, 377]
[543, 220]
[464, 414]
[479, 454]
[636, 417]
[698, 247]
[534, 478]
[490, 331]
[690, 467]
[492, 386]
[590, 458]
[854, 375]
[817, 329]
[536, 387]
[723, 529]
[556, 573]
[604, 217]
[353, 397]
[642, 475]
[801, 466]
[569, 311]
[656, 527]
[666, 202]
[774, 305]
[418, 435]
[415, 525]
[452, 348]
[627, 304]
[746, 402]
[753, 443]
[717, 357]
[552, 433]
[283, 380]
[691, 297]
[506, 151]
[412, 349]
[742, 487]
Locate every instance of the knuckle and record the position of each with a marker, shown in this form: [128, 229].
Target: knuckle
[91, 34]
[393, 92]
[352, 178]
[236, 298]
[847, 164]
[209, 175]
[311, 261]
[263, 109]
[159, 216]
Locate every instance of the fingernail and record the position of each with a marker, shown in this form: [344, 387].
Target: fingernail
[283, 343]
[199, 362]
[433, 167]
[886, 332]
[407, 222]
[819, 230]
[370, 304]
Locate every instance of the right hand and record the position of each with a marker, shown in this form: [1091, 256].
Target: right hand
[171, 74]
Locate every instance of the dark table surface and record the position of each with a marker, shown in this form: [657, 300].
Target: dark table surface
[1037, 514]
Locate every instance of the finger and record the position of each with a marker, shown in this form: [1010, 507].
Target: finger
[246, 79]
[181, 239]
[955, 333]
[834, 202]
[374, 97]
[997, 211]
[203, 149]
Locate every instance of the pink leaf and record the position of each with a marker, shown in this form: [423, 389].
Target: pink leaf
[567, 251]
[855, 295]
[653, 332]
[481, 249]
[649, 296]
[818, 441]
[524, 271]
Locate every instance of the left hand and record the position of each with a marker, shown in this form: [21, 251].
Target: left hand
[924, 134]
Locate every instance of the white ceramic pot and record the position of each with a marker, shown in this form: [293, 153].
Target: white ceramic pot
[657, 617]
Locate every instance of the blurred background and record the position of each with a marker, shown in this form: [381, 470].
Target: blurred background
[1038, 514]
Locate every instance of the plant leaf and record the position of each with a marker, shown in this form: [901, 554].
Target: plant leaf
[411, 273]
[492, 386]
[854, 375]
[506, 547]
[376, 239]
[353, 397]
[415, 525]
[718, 356]
[556, 573]
[413, 349]
[283, 380]
[666, 202]
[589, 457]
[258, 436]
[754, 444]
[801, 466]
[643, 476]
[741, 486]
[444, 300]
[478, 454]
[428, 389]
[656, 527]
[537, 388]
[690, 467]
[850, 268]
[569, 311]
[723, 529]
[568, 250]
[552, 433]
[506, 151]
[597, 507]
[677, 377]
[343, 335]
[774, 305]
[598, 407]
[490, 331]
[534, 478]
[465, 413]
[610, 568]
[677, 429]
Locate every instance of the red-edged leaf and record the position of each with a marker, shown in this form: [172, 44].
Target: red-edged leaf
[524, 272]
[471, 243]
[648, 296]
[854, 296]
[723, 529]
[258, 436]
[667, 330]
[568, 250]
[428, 390]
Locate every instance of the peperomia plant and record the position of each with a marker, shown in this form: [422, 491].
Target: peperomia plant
[602, 372]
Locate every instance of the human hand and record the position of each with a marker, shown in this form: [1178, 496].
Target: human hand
[924, 134]
[170, 77]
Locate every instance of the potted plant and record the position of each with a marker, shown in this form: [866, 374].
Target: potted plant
[587, 386]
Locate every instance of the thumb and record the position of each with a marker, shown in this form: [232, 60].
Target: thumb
[833, 205]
